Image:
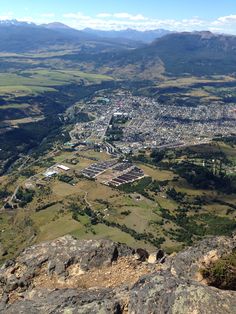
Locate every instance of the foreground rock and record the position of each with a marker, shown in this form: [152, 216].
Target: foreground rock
[70, 276]
[188, 262]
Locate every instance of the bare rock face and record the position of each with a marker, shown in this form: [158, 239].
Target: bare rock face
[162, 293]
[188, 262]
[70, 276]
[66, 301]
[66, 251]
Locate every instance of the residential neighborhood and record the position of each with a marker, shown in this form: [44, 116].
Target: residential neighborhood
[135, 122]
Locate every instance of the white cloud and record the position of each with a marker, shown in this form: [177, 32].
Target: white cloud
[6, 16]
[28, 19]
[124, 15]
[117, 21]
[124, 20]
[230, 19]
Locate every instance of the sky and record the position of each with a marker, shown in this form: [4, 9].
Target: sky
[178, 15]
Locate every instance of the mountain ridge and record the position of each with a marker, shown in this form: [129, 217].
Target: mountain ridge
[187, 53]
[145, 36]
[176, 54]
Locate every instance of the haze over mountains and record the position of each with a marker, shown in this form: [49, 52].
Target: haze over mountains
[127, 53]
[21, 37]
[177, 54]
[132, 34]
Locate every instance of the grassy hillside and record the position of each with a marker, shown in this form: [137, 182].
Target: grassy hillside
[193, 54]
[180, 201]
[196, 53]
[31, 102]
[169, 208]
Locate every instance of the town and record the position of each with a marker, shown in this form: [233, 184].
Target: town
[130, 123]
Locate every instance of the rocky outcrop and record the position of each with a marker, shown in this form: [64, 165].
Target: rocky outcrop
[70, 276]
[164, 293]
[66, 251]
[188, 262]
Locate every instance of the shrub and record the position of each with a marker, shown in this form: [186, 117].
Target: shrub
[126, 213]
[222, 273]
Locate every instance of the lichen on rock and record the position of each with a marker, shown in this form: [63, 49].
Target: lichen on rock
[99, 276]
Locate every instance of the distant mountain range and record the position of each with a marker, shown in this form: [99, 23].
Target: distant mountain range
[131, 34]
[177, 54]
[127, 53]
[197, 53]
[18, 36]
[15, 23]
[56, 25]
[21, 37]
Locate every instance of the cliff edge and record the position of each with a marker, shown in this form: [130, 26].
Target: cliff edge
[72, 276]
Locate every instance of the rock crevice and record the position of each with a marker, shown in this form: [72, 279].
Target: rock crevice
[71, 276]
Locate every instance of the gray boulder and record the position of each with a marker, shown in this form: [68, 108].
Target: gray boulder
[39, 280]
[164, 293]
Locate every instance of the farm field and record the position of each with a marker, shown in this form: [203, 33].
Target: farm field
[168, 207]
[38, 81]
[145, 214]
